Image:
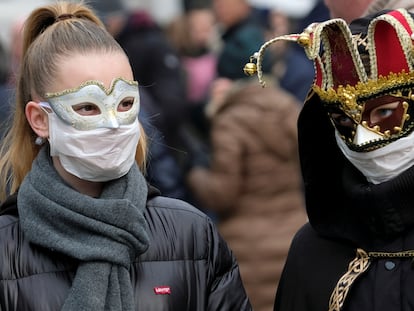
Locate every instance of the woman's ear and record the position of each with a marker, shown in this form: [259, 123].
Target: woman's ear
[37, 119]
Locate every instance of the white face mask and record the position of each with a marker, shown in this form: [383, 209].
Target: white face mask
[100, 154]
[384, 163]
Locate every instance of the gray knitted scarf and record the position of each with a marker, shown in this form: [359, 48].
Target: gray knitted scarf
[105, 234]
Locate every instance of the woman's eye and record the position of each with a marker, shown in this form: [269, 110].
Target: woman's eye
[126, 104]
[86, 109]
[342, 120]
[382, 112]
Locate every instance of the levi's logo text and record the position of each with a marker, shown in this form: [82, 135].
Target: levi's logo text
[162, 290]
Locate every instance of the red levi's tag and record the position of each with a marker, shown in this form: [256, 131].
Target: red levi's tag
[162, 290]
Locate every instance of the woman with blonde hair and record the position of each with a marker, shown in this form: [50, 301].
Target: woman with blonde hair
[82, 229]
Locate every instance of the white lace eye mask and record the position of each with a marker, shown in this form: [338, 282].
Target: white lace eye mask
[106, 100]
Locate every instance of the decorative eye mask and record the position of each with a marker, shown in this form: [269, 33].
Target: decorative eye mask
[117, 106]
[374, 123]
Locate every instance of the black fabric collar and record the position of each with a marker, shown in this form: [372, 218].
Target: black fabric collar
[385, 209]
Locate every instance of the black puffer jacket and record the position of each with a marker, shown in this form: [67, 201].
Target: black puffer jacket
[187, 266]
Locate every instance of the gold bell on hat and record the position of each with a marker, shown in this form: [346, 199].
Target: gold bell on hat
[250, 69]
[304, 39]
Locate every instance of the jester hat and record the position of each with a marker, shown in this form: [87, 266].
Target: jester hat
[356, 72]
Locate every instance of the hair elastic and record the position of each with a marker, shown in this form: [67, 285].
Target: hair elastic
[64, 16]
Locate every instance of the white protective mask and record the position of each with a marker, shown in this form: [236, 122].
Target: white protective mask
[99, 155]
[382, 164]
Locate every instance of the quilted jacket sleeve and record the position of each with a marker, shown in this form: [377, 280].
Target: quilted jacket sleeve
[227, 291]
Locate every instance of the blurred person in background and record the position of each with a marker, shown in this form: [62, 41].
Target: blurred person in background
[194, 36]
[379, 5]
[162, 169]
[279, 22]
[11, 65]
[351, 10]
[253, 182]
[6, 90]
[348, 10]
[298, 73]
[241, 33]
[16, 47]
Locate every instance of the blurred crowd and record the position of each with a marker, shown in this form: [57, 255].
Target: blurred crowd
[217, 138]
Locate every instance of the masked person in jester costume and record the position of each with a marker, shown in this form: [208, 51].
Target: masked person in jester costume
[356, 145]
[81, 228]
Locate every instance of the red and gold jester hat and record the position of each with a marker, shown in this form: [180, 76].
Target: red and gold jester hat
[357, 74]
